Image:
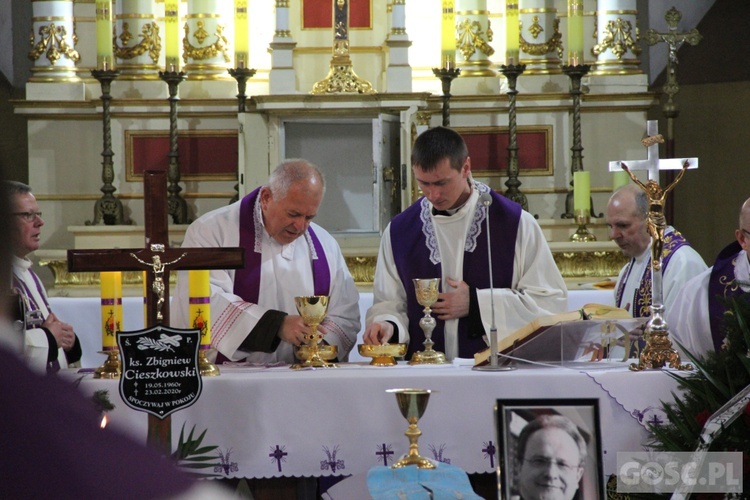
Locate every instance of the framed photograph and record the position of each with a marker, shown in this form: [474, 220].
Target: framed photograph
[549, 448]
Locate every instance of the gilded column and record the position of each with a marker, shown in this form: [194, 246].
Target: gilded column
[540, 46]
[138, 40]
[616, 49]
[206, 50]
[53, 41]
[282, 77]
[398, 73]
[473, 49]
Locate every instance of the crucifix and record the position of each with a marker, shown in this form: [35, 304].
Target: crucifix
[157, 259]
[658, 348]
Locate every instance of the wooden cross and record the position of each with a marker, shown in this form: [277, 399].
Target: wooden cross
[137, 259]
[653, 164]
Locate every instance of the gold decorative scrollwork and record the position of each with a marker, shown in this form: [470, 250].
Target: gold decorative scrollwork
[341, 78]
[220, 46]
[535, 29]
[362, 269]
[589, 264]
[471, 39]
[53, 44]
[618, 36]
[150, 42]
[554, 43]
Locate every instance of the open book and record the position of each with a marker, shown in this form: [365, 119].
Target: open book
[531, 330]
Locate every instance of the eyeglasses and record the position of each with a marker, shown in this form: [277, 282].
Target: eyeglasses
[545, 463]
[28, 216]
[747, 233]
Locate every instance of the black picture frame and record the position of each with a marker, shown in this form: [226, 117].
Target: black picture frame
[512, 415]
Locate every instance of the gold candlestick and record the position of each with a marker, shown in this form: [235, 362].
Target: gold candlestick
[582, 235]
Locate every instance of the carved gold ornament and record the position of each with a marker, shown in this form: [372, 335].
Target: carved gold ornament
[554, 43]
[471, 39]
[535, 29]
[618, 36]
[220, 46]
[150, 42]
[53, 44]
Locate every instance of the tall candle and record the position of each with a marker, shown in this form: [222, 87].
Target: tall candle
[104, 45]
[511, 32]
[575, 32]
[172, 34]
[111, 303]
[619, 179]
[199, 286]
[448, 40]
[581, 190]
[241, 34]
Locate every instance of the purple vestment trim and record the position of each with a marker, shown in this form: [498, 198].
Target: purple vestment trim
[641, 304]
[411, 254]
[20, 285]
[247, 279]
[722, 286]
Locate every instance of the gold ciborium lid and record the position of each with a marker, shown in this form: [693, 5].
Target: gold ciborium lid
[382, 354]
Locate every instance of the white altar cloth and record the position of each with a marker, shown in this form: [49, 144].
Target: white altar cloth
[280, 422]
[84, 313]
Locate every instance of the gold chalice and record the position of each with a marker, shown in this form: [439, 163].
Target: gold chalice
[313, 309]
[427, 294]
[412, 403]
[382, 354]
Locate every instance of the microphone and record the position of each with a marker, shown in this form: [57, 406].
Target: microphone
[486, 200]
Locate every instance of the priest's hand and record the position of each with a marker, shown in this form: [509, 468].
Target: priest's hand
[453, 304]
[378, 333]
[293, 330]
[63, 332]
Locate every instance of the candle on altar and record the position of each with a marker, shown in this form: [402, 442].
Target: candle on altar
[199, 285]
[241, 34]
[172, 34]
[619, 179]
[575, 32]
[448, 40]
[104, 44]
[511, 32]
[581, 190]
[110, 284]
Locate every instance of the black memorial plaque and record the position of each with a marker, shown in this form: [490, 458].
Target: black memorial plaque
[160, 372]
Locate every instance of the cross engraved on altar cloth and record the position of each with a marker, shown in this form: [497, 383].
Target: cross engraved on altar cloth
[158, 266]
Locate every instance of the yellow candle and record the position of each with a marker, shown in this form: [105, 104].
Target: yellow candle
[172, 34]
[104, 46]
[511, 32]
[619, 179]
[199, 285]
[581, 190]
[448, 40]
[575, 32]
[241, 35]
[111, 303]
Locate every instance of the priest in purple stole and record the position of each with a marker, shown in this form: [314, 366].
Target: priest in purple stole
[442, 235]
[697, 320]
[286, 255]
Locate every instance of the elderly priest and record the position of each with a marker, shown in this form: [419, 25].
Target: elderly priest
[443, 235]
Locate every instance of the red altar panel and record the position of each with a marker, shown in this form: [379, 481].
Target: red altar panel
[319, 13]
[488, 149]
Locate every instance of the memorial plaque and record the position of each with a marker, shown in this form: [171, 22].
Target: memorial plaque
[160, 369]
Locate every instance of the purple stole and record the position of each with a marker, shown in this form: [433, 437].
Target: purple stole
[722, 286]
[642, 298]
[247, 279]
[20, 285]
[412, 257]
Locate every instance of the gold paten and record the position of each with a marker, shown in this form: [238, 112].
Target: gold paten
[382, 355]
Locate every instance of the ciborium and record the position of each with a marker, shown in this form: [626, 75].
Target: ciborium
[427, 294]
[382, 354]
[313, 309]
[412, 403]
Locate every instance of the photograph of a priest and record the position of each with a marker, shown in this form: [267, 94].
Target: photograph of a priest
[286, 255]
[443, 235]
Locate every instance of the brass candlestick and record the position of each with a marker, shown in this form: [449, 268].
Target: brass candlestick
[177, 206]
[446, 75]
[313, 309]
[412, 403]
[582, 235]
[108, 208]
[112, 366]
[427, 294]
[512, 72]
[205, 366]
[242, 75]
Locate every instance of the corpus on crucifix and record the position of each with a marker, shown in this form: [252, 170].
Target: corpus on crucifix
[158, 260]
